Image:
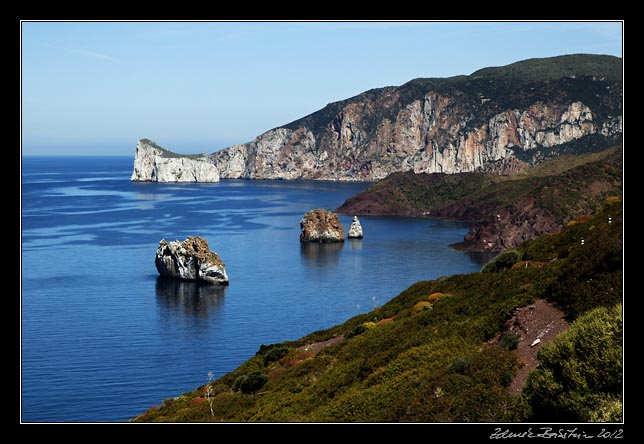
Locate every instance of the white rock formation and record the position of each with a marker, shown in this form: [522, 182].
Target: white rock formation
[355, 231]
[155, 164]
[190, 260]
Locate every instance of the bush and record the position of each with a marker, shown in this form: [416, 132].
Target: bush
[503, 261]
[509, 340]
[358, 330]
[435, 297]
[275, 354]
[460, 365]
[422, 306]
[580, 375]
[250, 382]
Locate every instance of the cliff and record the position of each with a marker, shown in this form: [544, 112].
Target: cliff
[501, 120]
[153, 163]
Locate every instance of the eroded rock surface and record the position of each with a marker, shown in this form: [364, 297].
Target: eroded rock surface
[321, 226]
[190, 260]
[355, 231]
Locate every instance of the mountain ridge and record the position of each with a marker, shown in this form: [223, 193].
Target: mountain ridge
[499, 119]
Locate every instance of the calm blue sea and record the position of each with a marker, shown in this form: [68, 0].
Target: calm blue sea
[103, 338]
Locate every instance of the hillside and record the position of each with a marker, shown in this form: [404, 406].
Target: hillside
[442, 350]
[498, 119]
[504, 210]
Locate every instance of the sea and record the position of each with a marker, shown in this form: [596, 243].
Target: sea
[103, 337]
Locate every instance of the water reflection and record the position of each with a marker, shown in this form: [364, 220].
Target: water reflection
[321, 254]
[355, 244]
[190, 298]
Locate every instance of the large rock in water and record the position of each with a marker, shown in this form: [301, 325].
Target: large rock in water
[355, 232]
[321, 226]
[190, 260]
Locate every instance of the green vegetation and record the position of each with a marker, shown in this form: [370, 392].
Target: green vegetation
[545, 197]
[503, 261]
[424, 356]
[170, 154]
[554, 68]
[566, 186]
[580, 376]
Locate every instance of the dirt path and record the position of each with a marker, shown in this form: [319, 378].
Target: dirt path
[536, 325]
[317, 346]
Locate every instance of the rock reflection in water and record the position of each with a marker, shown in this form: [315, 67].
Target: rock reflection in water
[193, 298]
[355, 244]
[321, 253]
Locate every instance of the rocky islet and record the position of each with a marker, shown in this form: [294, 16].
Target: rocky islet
[355, 231]
[190, 260]
[321, 226]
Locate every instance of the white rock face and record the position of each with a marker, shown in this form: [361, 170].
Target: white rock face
[367, 141]
[190, 260]
[355, 231]
[154, 164]
[277, 154]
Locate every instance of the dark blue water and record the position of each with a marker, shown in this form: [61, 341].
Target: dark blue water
[103, 338]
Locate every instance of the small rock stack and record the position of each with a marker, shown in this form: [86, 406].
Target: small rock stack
[355, 232]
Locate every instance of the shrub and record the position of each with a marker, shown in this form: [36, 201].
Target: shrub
[579, 378]
[358, 330]
[435, 296]
[460, 365]
[275, 354]
[369, 325]
[422, 306]
[509, 340]
[503, 261]
[250, 382]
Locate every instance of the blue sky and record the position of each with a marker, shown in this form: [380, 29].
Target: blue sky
[95, 88]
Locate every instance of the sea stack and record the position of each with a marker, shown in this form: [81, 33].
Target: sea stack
[321, 226]
[355, 232]
[190, 260]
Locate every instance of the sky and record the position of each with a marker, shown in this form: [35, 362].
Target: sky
[96, 88]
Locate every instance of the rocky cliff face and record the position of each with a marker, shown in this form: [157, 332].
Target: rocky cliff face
[497, 119]
[155, 164]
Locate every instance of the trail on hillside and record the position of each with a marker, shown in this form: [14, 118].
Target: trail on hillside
[536, 324]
